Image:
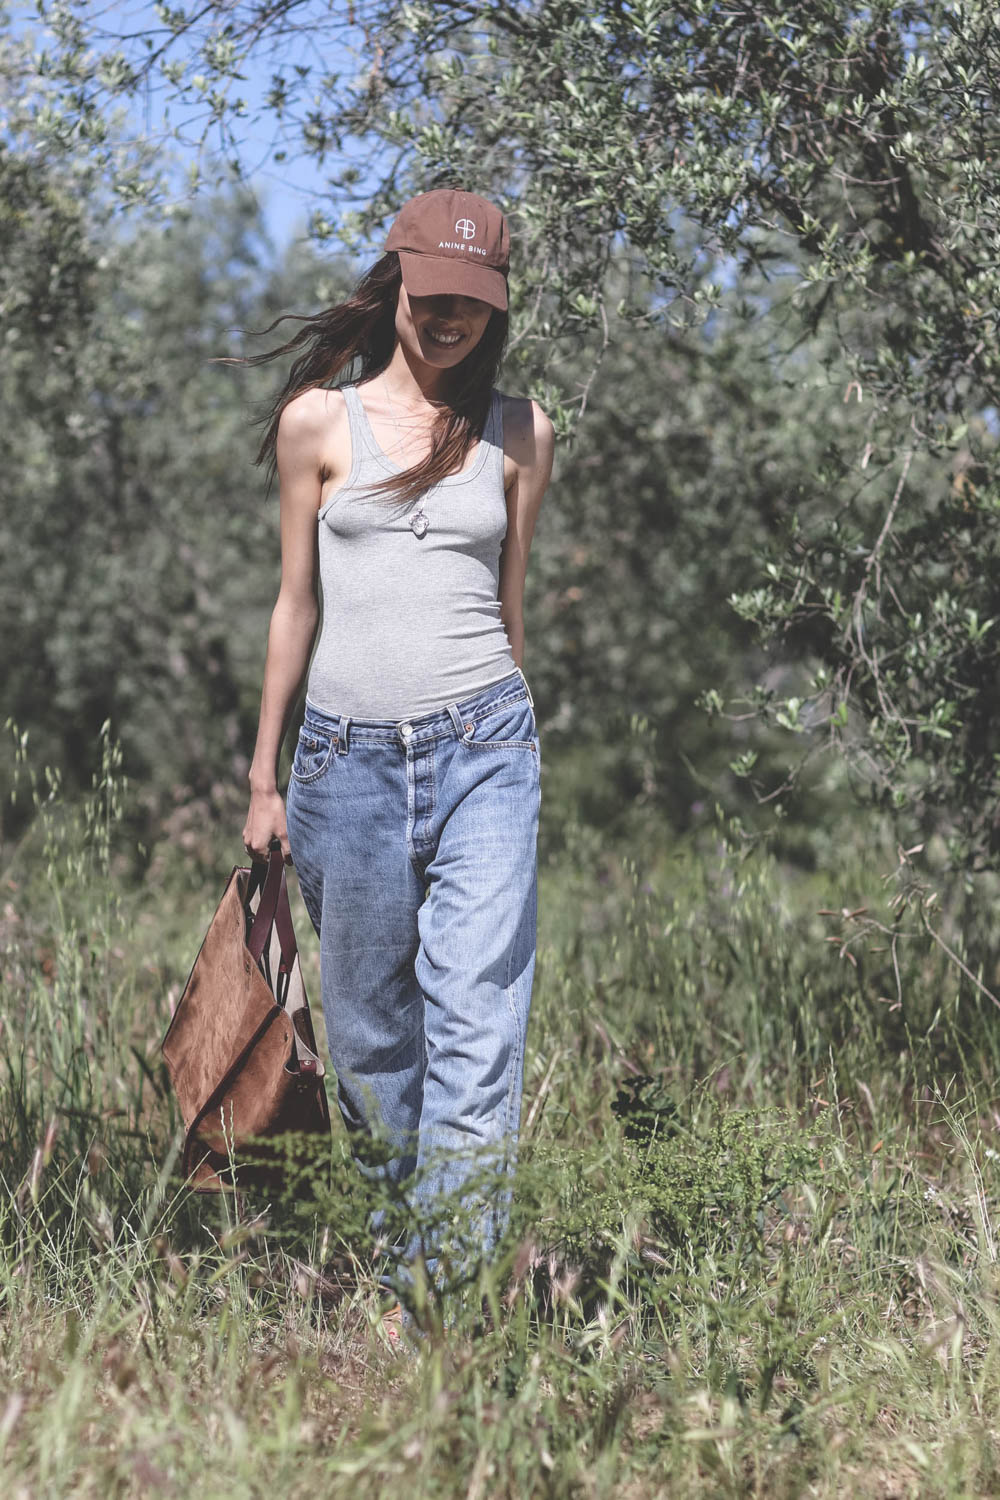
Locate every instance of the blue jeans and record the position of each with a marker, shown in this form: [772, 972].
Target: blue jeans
[415, 846]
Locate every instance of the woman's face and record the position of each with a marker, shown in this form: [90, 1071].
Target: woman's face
[440, 330]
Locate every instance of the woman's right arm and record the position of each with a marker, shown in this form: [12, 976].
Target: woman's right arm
[299, 456]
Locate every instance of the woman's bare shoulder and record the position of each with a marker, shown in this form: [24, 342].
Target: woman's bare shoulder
[526, 428]
[312, 413]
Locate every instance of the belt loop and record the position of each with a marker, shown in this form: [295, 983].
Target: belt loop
[527, 688]
[342, 735]
[456, 719]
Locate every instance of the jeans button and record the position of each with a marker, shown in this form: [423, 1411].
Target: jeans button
[406, 730]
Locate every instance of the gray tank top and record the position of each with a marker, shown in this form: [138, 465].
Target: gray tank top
[411, 621]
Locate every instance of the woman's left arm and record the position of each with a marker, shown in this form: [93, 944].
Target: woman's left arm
[529, 446]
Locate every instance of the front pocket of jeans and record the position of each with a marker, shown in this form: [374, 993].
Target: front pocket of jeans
[509, 726]
[312, 753]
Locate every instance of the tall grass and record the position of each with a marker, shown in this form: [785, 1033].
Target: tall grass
[752, 1250]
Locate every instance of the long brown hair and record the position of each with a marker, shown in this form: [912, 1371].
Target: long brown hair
[363, 328]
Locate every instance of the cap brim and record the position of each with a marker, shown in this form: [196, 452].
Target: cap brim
[437, 275]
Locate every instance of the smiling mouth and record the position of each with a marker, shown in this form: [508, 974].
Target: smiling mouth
[445, 340]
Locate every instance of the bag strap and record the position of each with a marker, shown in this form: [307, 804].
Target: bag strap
[286, 932]
[273, 907]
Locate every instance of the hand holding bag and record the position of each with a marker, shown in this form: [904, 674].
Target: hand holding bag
[240, 1047]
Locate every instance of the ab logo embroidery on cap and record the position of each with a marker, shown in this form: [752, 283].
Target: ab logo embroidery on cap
[466, 228]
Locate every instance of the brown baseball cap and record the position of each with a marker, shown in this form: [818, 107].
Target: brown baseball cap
[450, 241]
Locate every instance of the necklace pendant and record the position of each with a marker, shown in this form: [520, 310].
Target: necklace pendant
[419, 523]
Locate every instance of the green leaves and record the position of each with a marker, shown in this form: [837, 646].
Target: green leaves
[788, 717]
[756, 605]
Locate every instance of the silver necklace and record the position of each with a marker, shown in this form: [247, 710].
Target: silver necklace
[418, 521]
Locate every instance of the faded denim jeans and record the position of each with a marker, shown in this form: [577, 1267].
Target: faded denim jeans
[415, 846]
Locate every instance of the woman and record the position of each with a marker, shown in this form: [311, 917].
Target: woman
[411, 495]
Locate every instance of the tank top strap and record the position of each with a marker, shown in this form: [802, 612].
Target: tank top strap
[363, 448]
[493, 435]
[494, 420]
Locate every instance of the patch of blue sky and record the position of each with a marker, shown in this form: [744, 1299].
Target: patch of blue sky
[254, 144]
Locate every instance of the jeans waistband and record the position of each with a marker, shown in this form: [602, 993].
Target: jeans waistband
[451, 718]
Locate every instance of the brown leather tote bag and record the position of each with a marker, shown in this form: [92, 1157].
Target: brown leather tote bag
[240, 1047]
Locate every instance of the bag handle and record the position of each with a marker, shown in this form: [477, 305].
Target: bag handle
[273, 907]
